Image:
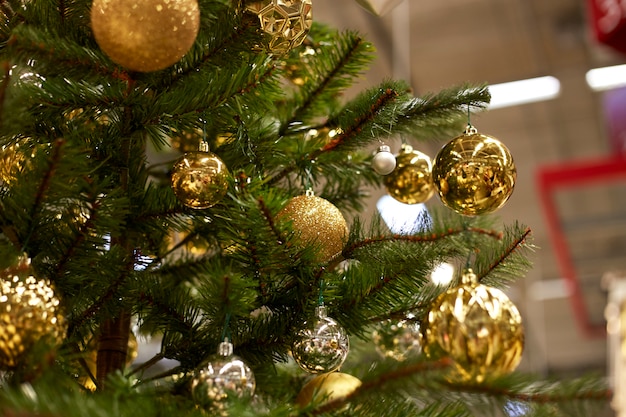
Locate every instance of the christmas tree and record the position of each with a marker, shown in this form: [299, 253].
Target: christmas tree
[191, 173]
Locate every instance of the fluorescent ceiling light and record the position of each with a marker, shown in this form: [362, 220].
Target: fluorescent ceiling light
[524, 91]
[600, 79]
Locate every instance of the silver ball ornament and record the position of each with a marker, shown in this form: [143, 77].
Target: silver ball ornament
[322, 346]
[384, 162]
[221, 376]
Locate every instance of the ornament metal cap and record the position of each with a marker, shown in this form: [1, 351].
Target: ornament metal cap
[384, 148]
[225, 348]
[469, 277]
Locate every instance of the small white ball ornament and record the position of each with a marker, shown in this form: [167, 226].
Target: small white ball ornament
[384, 162]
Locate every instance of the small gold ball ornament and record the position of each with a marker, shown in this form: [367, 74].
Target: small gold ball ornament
[287, 22]
[145, 35]
[474, 173]
[30, 312]
[411, 181]
[478, 327]
[200, 178]
[329, 387]
[317, 222]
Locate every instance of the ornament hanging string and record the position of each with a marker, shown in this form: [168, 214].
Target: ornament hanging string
[320, 297]
[226, 336]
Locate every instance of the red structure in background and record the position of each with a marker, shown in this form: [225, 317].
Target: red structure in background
[607, 19]
[575, 174]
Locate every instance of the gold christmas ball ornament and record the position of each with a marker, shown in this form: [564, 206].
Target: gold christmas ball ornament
[322, 346]
[200, 179]
[474, 173]
[223, 375]
[30, 313]
[145, 35]
[317, 222]
[476, 326]
[398, 339]
[287, 22]
[327, 387]
[411, 180]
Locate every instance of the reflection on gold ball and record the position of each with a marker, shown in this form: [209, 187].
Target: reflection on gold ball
[29, 313]
[287, 22]
[145, 35]
[474, 173]
[411, 181]
[316, 222]
[478, 327]
[200, 179]
[328, 387]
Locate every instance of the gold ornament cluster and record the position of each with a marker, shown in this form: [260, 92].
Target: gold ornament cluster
[473, 174]
[30, 313]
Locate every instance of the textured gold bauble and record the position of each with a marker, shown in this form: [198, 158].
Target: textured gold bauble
[478, 327]
[200, 179]
[30, 312]
[411, 181]
[474, 173]
[316, 222]
[287, 22]
[145, 35]
[328, 387]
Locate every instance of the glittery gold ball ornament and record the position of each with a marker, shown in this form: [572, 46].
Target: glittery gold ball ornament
[411, 181]
[327, 387]
[199, 179]
[398, 339]
[30, 313]
[474, 173]
[287, 22]
[145, 35]
[322, 346]
[316, 222]
[223, 375]
[476, 326]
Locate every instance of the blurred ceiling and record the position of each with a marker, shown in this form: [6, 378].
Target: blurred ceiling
[436, 44]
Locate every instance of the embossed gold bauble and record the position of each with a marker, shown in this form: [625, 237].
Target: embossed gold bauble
[316, 222]
[200, 179]
[474, 173]
[322, 345]
[411, 181]
[223, 375]
[287, 22]
[398, 339]
[476, 326]
[145, 35]
[30, 313]
[327, 387]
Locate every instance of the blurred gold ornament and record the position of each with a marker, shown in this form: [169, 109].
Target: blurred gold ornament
[474, 173]
[398, 339]
[30, 313]
[186, 141]
[411, 181]
[91, 358]
[145, 35]
[296, 71]
[200, 179]
[316, 222]
[476, 326]
[12, 161]
[327, 387]
[287, 22]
